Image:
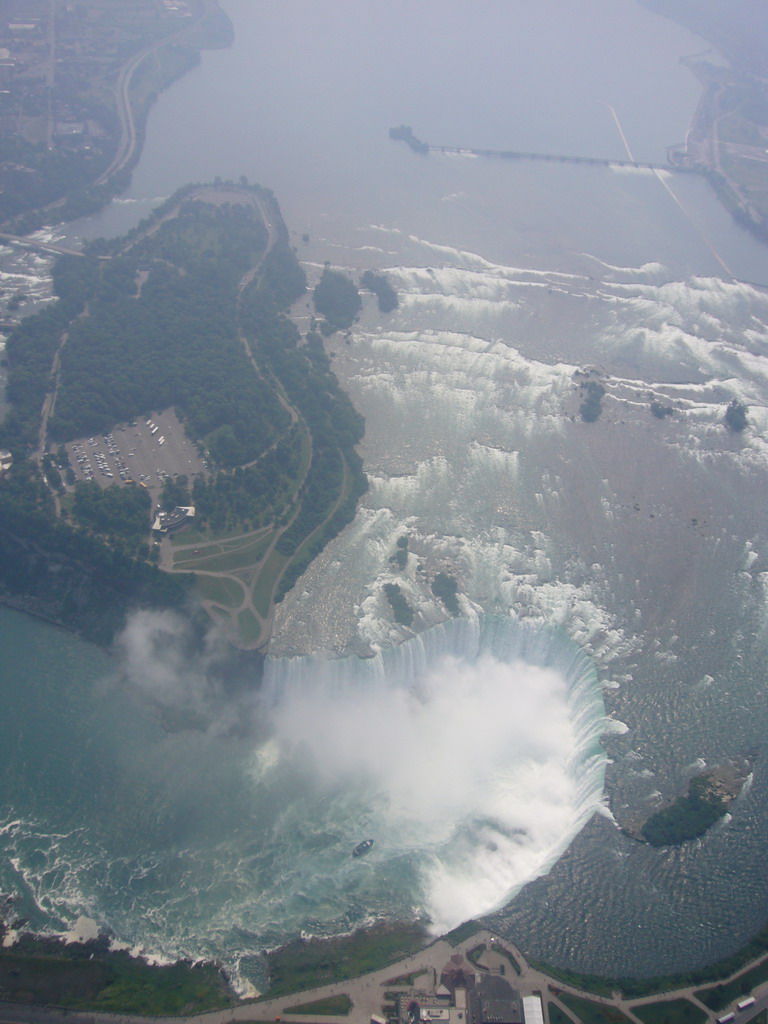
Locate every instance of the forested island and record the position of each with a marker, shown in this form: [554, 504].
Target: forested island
[337, 299]
[380, 286]
[404, 133]
[706, 801]
[188, 311]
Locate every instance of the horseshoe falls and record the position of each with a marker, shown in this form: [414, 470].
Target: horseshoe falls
[474, 748]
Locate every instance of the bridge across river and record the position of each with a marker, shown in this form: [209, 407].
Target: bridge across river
[561, 158]
[46, 247]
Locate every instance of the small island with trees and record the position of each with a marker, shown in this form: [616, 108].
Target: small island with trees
[382, 289]
[736, 416]
[337, 299]
[688, 817]
[404, 133]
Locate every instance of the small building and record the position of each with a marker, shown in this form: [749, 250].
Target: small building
[167, 522]
[6, 461]
[432, 1012]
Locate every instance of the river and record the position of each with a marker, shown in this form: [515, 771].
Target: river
[612, 574]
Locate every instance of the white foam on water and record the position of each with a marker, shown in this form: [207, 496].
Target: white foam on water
[623, 169]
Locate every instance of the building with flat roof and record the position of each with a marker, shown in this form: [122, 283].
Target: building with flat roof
[533, 1011]
[167, 522]
[494, 1001]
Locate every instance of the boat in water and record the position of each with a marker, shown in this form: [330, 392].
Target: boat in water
[362, 848]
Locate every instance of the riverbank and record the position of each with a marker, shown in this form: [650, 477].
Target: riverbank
[87, 161]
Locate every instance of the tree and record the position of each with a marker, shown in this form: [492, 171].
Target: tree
[736, 416]
[337, 299]
[591, 407]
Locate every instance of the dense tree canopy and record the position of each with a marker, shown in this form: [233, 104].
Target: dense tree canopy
[382, 289]
[187, 311]
[337, 299]
[736, 416]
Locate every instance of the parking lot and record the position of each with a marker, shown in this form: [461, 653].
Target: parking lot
[147, 451]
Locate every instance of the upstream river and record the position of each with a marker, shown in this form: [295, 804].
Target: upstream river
[612, 575]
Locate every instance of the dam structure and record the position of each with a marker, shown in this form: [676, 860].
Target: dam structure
[403, 133]
[562, 158]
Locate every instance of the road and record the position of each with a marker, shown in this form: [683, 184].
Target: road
[128, 135]
[46, 247]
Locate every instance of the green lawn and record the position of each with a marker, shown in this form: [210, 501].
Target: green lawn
[248, 626]
[304, 964]
[222, 590]
[590, 1012]
[462, 932]
[557, 1016]
[475, 956]
[505, 953]
[265, 584]
[673, 1011]
[217, 558]
[719, 996]
[40, 972]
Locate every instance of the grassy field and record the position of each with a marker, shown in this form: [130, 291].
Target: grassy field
[248, 626]
[508, 956]
[221, 590]
[307, 964]
[719, 996]
[674, 1011]
[265, 585]
[464, 931]
[557, 1016]
[590, 1012]
[475, 956]
[405, 980]
[224, 557]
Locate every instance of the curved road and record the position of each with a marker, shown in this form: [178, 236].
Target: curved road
[128, 133]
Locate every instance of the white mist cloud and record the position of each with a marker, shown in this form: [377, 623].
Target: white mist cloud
[471, 768]
[165, 659]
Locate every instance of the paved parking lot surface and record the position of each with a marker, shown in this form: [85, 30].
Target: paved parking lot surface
[148, 451]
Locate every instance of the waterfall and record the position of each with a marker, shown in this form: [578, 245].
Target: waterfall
[470, 753]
